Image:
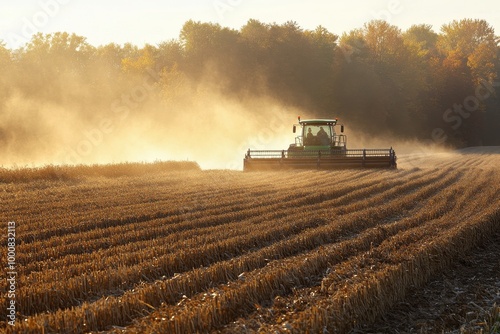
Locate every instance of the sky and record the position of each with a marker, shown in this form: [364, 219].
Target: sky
[155, 21]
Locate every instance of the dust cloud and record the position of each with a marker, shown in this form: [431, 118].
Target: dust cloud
[136, 124]
[411, 153]
[71, 122]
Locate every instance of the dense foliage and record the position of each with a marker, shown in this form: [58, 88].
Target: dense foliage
[416, 83]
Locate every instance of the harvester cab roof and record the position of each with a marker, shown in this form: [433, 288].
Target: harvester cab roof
[319, 121]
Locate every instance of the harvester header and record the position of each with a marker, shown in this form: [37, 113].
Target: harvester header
[318, 145]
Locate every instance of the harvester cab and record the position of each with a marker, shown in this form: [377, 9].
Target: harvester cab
[319, 146]
[318, 135]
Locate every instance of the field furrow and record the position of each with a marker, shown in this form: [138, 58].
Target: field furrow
[113, 278]
[225, 251]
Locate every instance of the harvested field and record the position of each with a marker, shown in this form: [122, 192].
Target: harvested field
[457, 301]
[173, 251]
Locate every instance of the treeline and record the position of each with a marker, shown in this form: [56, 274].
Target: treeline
[415, 84]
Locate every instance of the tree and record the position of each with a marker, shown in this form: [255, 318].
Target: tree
[207, 43]
[63, 49]
[52, 63]
[353, 46]
[384, 41]
[470, 46]
[107, 61]
[319, 79]
[5, 60]
[287, 62]
[256, 35]
[422, 94]
[138, 64]
[391, 61]
[5, 56]
[7, 72]
[169, 54]
[421, 40]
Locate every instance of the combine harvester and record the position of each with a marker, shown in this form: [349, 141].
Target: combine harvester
[319, 147]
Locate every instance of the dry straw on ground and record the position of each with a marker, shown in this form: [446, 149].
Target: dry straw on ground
[158, 250]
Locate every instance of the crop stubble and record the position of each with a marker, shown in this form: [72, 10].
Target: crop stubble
[227, 251]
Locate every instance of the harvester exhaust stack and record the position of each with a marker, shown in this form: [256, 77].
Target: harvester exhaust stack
[319, 147]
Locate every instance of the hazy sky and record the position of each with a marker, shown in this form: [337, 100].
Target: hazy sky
[154, 21]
